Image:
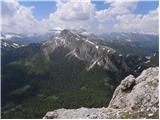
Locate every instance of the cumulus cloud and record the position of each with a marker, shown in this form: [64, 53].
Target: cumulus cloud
[72, 15]
[17, 18]
[8, 8]
[117, 17]
[138, 23]
[116, 8]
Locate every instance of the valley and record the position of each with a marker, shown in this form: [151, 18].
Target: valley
[69, 70]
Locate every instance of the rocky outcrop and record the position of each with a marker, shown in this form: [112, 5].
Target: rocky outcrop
[93, 52]
[139, 93]
[82, 48]
[133, 98]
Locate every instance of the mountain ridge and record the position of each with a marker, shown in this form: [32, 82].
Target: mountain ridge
[69, 70]
[84, 48]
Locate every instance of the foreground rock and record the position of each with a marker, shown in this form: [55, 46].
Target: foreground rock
[133, 98]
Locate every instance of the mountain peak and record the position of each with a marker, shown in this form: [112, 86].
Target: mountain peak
[69, 33]
[65, 31]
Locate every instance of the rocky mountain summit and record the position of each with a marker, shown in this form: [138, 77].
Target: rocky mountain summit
[94, 53]
[133, 98]
[5, 44]
[82, 48]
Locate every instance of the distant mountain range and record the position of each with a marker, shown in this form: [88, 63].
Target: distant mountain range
[27, 39]
[69, 69]
[114, 36]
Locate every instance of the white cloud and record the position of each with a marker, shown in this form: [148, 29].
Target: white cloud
[117, 17]
[8, 8]
[72, 15]
[117, 7]
[138, 23]
[17, 18]
[74, 11]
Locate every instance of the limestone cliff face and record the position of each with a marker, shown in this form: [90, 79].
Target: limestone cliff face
[97, 53]
[133, 98]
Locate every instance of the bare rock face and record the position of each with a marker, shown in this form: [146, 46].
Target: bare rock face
[95, 53]
[127, 83]
[133, 98]
[143, 94]
[82, 113]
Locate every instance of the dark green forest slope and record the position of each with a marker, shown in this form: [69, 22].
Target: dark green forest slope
[32, 84]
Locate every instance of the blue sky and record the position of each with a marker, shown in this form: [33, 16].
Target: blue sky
[143, 7]
[36, 16]
[44, 8]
